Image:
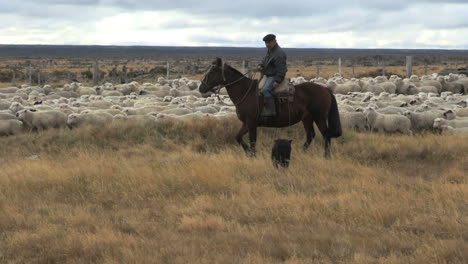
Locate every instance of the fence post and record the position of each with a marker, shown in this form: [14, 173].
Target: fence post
[318, 70]
[30, 74]
[409, 66]
[339, 65]
[354, 75]
[13, 80]
[383, 68]
[38, 78]
[425, 68]
[243, 66]
[167, 69]
[95, 73]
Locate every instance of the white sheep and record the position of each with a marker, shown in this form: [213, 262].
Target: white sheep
[10, 127]
[298, 80]
[424, 89]
[9, 90]
[177, 111]
[455, 123]
[345, 88]
[388, 86]
[6, 116]
[142, 110]
[42, 120]
[86, 91]
[111, 93]
[16, 107]
[388, 123]
[354, 120]
[206, 109]
[76, 120]
[4, 104]
[448, 130]
[371, 86]
[462, 112]
[422, 121]
[447, 85]
[112, 112]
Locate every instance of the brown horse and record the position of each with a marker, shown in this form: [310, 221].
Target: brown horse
[312, 103]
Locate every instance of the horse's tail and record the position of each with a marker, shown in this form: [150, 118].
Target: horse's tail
[334, 123]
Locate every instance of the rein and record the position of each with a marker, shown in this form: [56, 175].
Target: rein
[217, 88]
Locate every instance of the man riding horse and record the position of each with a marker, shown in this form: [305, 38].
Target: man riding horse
[274, 68]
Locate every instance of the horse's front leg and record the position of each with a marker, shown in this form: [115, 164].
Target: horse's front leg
[243, 130]
[253, 139]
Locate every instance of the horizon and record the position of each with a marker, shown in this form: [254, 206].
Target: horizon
[239, 47]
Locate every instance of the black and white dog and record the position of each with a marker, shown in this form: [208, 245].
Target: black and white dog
[281, 153]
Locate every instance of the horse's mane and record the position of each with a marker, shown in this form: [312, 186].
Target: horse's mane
[237, 71]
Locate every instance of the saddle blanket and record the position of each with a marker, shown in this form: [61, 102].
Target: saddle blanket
[285, 90]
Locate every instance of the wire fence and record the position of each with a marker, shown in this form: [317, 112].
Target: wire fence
[98, 72]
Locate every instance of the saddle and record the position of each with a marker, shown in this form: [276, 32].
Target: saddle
[284, 92]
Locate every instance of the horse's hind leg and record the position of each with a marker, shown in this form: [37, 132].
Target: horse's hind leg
[308, 123]
[322, 125]
[243, 130]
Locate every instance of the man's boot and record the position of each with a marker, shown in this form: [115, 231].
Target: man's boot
[270, 109]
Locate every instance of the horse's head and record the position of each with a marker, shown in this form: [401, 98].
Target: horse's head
[213, 78]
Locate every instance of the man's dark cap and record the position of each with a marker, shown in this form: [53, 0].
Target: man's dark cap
[269, 37]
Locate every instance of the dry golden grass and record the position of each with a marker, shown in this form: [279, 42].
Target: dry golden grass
[185, 193]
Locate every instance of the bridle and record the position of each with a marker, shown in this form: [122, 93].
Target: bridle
[217, 88]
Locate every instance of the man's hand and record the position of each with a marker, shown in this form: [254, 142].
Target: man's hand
[276, 84]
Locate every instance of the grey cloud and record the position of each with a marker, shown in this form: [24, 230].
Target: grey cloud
[251, 19]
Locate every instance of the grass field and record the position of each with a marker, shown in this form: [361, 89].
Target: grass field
[185, 193]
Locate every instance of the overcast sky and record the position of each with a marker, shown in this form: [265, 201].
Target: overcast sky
[239, 23]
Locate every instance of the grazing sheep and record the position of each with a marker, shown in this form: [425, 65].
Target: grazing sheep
[10, 127]
[462, 112]
[112, 112]
[344, 88]
[448, 130]
[86, 91]
[298, 80]
[455, 123]
[15, 107]
[4, 104]
[6, 116]
[76, 120]
[206, 109]
[447, 85]
[42, 120]
[354, 120]
[401, 86]
[142, 110]
[421, 121]
[388, 86]
[388, 123]
[9, 90]
[413, 89]
[177, 111]
[128, 88]
[111, 93]
[449, 114]
[372, 87]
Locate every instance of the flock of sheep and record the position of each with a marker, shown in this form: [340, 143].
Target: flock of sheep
[412, 105]
[368, 104]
